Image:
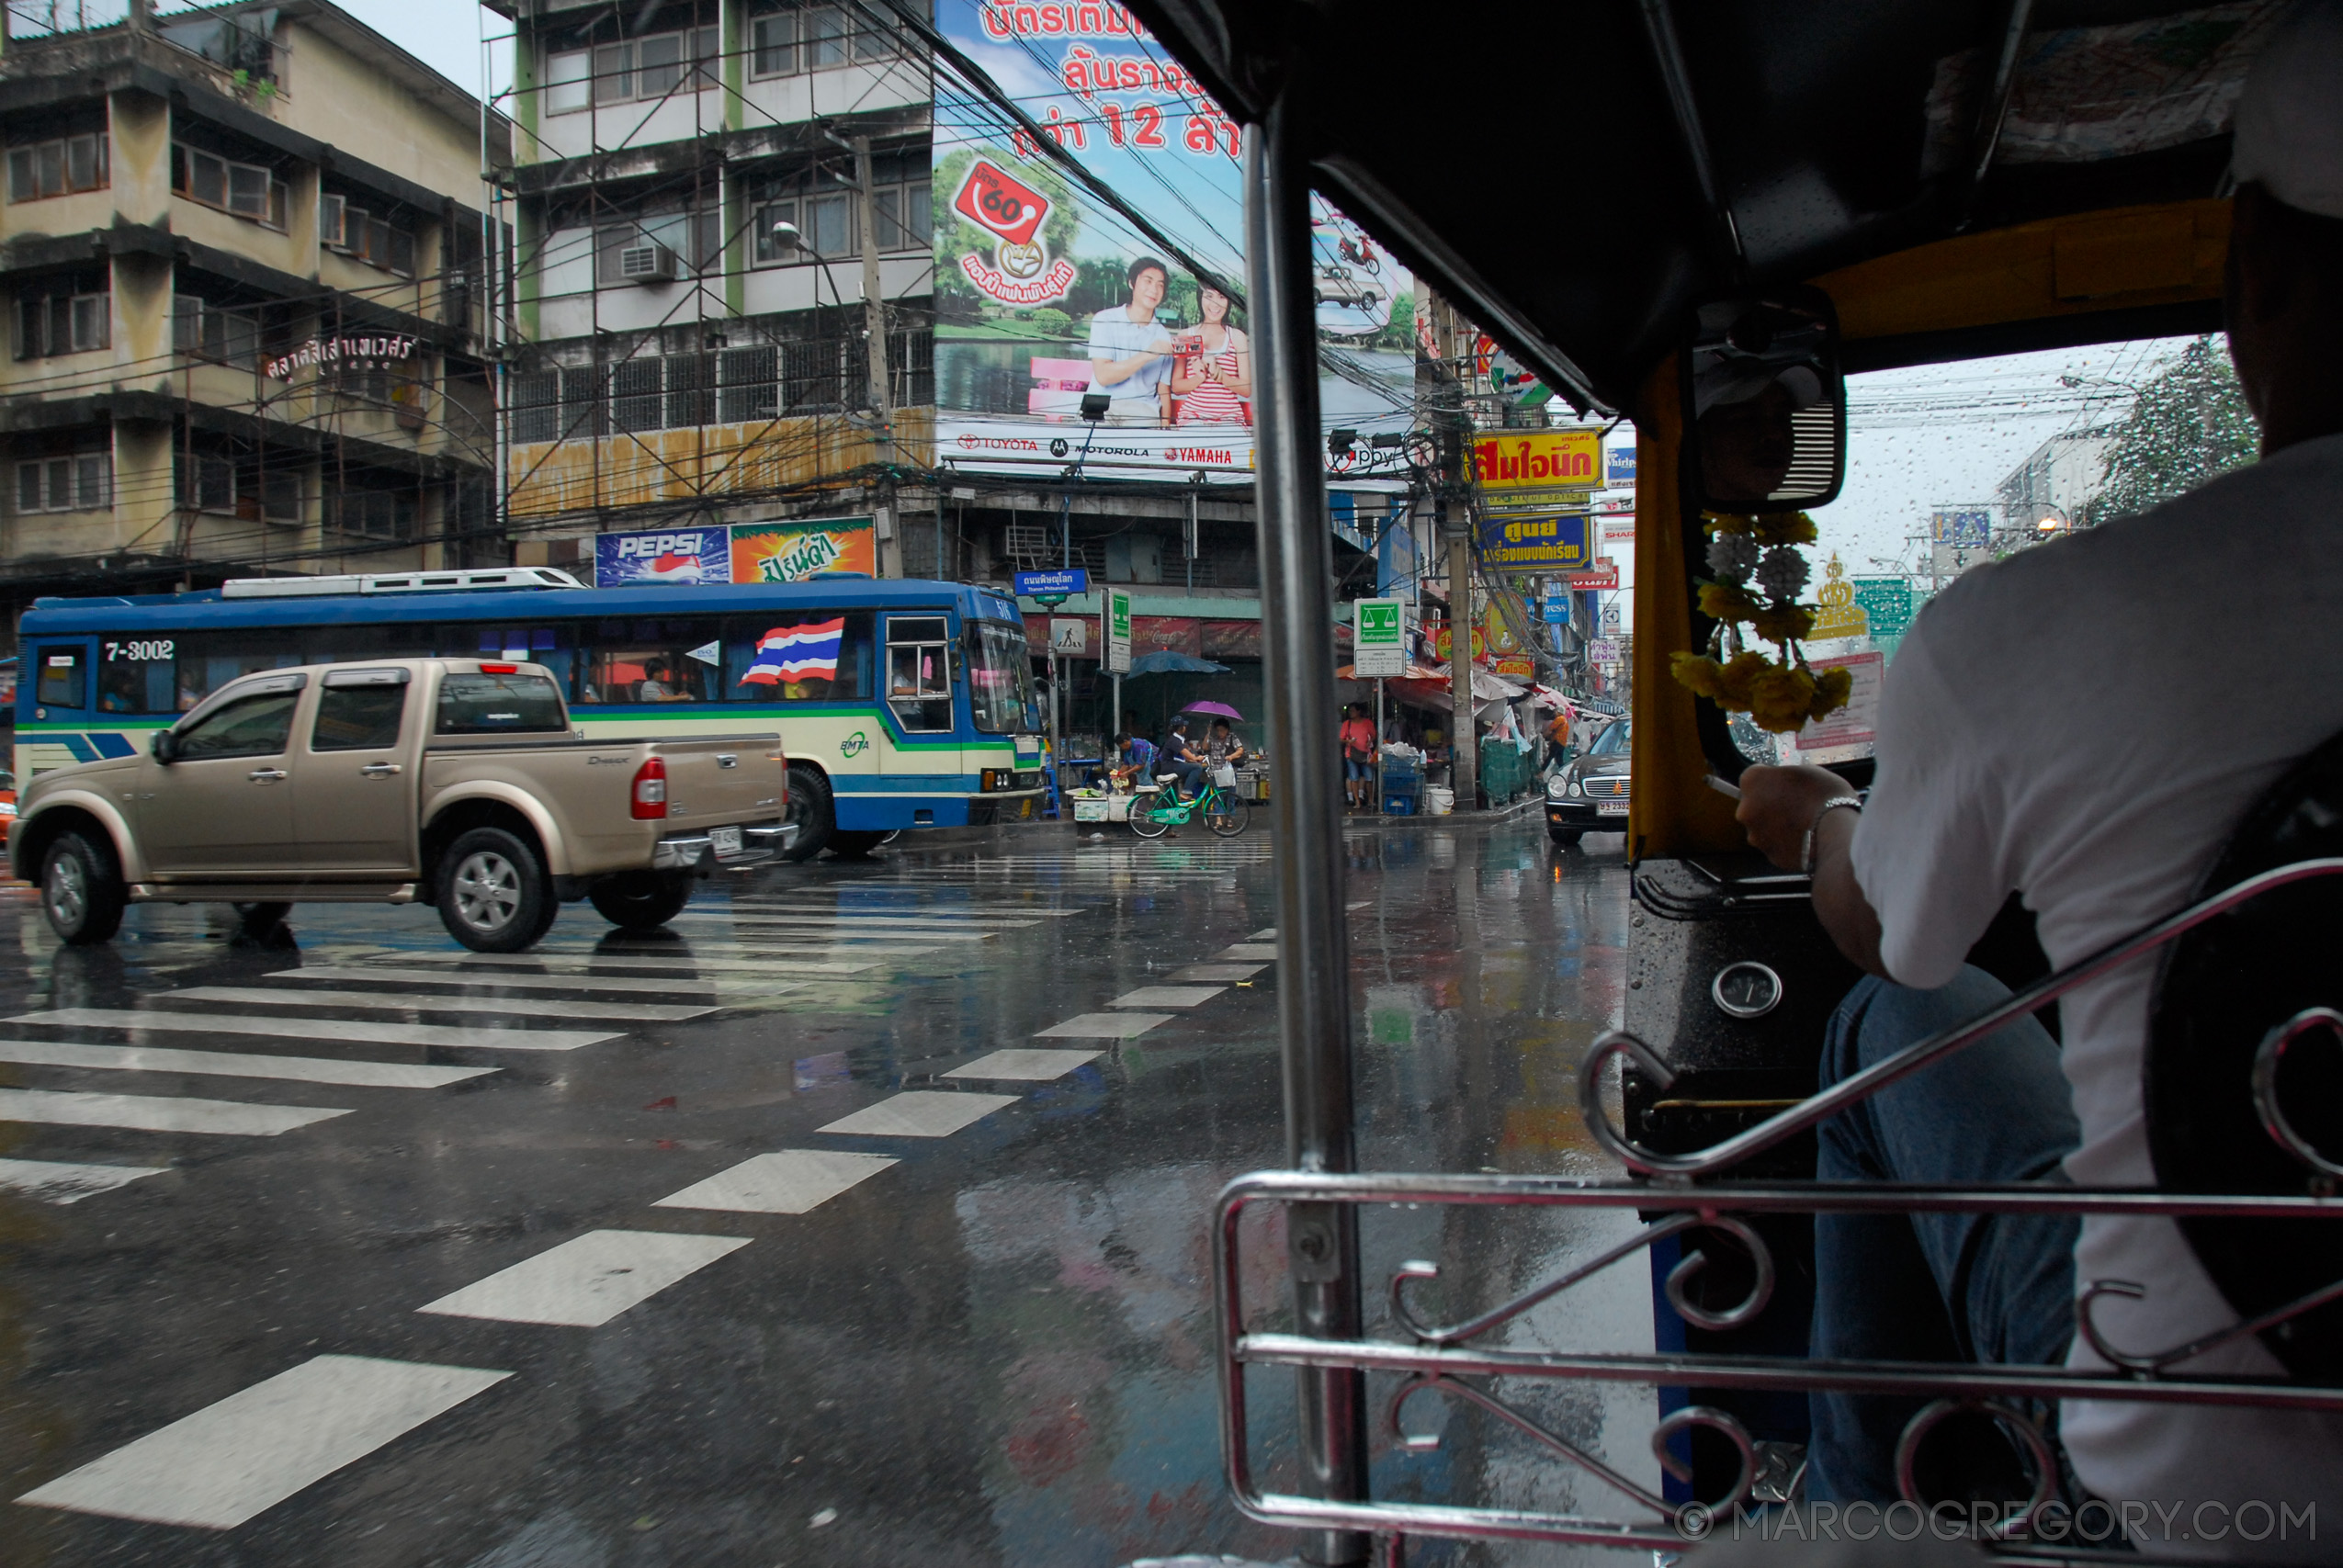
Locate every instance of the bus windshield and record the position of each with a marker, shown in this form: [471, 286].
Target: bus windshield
[999, 677]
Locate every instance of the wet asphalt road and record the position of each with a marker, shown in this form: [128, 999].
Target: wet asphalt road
[744, 1246]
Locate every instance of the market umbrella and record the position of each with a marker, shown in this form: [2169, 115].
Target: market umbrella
[1166, 661]
[1219, 710]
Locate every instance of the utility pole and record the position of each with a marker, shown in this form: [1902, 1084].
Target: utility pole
[1447, 419]
[875, 332]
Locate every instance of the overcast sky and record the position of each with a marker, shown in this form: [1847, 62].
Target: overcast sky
[444, 34]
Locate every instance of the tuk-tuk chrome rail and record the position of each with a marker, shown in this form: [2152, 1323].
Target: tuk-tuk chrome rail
[1862, 1086]
[1440, 1363]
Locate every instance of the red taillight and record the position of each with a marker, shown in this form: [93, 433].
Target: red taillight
[500, 669]
[650, 801]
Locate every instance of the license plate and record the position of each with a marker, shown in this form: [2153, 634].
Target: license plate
[726, 840]
[1611, 809]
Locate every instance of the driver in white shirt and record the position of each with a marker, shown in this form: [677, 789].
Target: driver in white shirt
[2037, 735]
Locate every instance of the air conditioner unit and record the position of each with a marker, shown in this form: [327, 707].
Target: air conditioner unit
[646, 264]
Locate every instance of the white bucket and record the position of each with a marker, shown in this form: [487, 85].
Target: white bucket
[1438, 801]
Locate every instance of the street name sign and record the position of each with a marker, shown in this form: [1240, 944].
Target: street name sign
[1118, 632]
[1052, 587]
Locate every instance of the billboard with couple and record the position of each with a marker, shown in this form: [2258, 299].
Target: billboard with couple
[1046, 296]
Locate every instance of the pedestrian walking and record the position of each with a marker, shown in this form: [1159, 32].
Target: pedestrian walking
[1357, 740]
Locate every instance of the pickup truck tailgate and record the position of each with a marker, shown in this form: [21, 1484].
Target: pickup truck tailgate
[741, 779]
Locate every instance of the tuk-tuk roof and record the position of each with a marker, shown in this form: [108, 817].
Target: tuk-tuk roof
[1536, 163]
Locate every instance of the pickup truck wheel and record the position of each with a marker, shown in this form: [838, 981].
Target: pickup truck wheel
[494, 894]
[81, 890]
[640, 900]
[812, 808]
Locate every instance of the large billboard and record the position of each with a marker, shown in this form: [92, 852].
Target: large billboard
[1044, 295]
[787, 551]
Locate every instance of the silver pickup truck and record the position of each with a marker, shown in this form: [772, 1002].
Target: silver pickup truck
[400, 780]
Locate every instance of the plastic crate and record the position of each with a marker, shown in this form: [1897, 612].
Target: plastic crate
[1399, 806]
[1095, 809]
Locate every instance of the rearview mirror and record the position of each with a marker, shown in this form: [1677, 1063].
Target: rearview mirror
[1765, 404]
[166, 747]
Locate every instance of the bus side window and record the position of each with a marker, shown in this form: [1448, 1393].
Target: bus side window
[134, 674]
[797, 655]
[208, 660]
[664, 660]
[548, 646]
[918, 671]
[60, 683]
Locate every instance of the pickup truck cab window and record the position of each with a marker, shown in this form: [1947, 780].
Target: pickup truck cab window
[359, 710]
[488, 703]
[919, 674]
[254, 726]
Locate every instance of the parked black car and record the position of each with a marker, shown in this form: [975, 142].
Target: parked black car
[1589, 795]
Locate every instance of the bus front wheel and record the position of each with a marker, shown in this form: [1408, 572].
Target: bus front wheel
[813, 811]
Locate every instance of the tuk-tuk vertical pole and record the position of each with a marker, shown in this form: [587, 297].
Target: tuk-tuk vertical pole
[1297, 649]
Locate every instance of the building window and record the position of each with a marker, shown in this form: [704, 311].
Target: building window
[784, 41]
[535, 403]
[205, 331]
[58, 168]
[235, 486]
[370, 237]
[63, 321]
[248, 190]
[653, 67]
[659, 247]
[371, 513]
[823, 214]
[81, 483]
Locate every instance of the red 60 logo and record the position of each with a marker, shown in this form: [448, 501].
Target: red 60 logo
[993, 201]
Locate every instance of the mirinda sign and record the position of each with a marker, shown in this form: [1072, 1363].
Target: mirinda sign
[1537, 467]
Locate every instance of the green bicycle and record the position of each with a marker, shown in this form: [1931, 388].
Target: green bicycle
[1153, 815]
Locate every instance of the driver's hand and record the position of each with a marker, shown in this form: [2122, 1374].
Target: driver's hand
[1778, 807]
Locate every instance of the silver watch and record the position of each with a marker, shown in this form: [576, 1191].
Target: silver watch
[1806, 849]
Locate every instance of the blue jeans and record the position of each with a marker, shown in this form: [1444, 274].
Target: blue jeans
[1934, 1286]
[1191, 781]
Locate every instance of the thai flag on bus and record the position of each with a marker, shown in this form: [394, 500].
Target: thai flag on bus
[797, 654]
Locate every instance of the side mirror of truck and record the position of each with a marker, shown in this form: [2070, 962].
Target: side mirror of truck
[166, 747]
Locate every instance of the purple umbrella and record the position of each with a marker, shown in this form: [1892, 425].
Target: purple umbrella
[1222, 709]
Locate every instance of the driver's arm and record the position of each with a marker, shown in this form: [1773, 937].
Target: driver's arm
[1779, 806]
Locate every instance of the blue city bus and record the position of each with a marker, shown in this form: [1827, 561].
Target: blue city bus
[902, 703]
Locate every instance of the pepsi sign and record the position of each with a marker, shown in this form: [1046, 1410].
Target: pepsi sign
[676, 556]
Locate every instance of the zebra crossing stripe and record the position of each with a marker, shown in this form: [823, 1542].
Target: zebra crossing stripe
[1023, 1065]
[58, 1181]
[919, 1113]
[235, 1065]
[509, 980]
[315, 1029]
[504, 1006]
[158, 1114]
[600, 964]
[586, 1281]
[231, 1461]
[788, 1181]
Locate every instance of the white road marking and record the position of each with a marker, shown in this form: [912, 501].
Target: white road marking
[1269, 935]
[919, 1113]
[159, 1113]
[56, 1181]
[1245, 950]
[1216, 972]
[235, 1064]
[788, 1181]
[230, 1461]
[1103, 1026]
[907, 920]
[1361, 904]
[835, 931]
[586, 1281]
[1167, 997]
[392, 1001]
[318, 1029]
[600, 962]
[634, 985]
[1032, 1066]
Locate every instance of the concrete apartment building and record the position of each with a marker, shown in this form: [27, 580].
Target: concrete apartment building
[246, 309]
[674, 366]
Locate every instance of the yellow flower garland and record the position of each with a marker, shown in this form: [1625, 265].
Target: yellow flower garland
[1778, 695]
